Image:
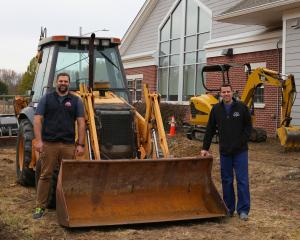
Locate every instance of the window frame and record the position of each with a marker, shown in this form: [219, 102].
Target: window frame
[182, 53]
[258, 104]
[134, 78]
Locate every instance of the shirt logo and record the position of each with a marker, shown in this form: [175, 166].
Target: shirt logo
[68, 104]
[236, 114]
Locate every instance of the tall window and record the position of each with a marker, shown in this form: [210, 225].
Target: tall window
[259, 96]
[181, 51]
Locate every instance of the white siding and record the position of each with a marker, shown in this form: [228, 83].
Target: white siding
[146, 39]
[220, 29]
[292, 64]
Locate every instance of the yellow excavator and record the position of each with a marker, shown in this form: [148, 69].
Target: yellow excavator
[127, 174]
[201, 106]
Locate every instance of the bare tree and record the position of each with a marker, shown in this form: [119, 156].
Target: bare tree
[11, 78]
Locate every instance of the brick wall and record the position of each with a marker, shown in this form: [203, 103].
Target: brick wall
[266, 117]
[149, 75]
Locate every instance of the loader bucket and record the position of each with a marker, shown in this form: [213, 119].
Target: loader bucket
[289, 137]
[114, 192]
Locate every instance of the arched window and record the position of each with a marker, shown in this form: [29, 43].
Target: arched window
[181, 52]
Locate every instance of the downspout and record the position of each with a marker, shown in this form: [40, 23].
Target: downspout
[278, 113]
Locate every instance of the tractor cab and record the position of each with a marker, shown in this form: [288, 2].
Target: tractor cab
[71, 55]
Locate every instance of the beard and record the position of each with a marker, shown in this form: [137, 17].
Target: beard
[227, 99]
[62, 89]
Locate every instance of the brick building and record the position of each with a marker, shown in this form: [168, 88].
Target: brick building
[170, 40]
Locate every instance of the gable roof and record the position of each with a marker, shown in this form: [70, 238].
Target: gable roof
[137, 23]
[258, 12]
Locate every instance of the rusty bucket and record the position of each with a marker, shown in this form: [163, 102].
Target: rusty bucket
[289, 137]
[114, 192]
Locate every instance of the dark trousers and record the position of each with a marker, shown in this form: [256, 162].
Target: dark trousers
[237, 163]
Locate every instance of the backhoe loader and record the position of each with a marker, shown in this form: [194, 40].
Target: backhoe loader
[201, 106]
[127, 174]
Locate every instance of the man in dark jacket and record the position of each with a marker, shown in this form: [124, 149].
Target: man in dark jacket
[54, 130]
[233, 121]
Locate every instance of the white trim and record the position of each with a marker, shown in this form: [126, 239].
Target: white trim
[134, 76]
[138, 55]
[244, 48]
[255, 65]
[157, 57]
[295, 13]
[181, 54]
[137, 24]
[204, 7]
[242, 38]
[254, 9]
[259, 105]
[139, 60]
[139, 63]
[255, 43]
[163, 22]
[283, 46]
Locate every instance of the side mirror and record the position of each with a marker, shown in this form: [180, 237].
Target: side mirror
[29, 93]
[39, 56]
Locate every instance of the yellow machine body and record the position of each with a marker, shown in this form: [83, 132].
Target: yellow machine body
[127, 174]
[289, 135]
[149, 188]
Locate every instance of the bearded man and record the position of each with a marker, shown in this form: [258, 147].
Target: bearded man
[54, 130]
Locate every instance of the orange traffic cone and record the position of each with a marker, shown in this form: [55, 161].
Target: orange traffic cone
[172, 127]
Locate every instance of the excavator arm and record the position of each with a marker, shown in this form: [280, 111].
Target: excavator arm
[201, 105]
[92, 138]
[153, 126]
[289, 136]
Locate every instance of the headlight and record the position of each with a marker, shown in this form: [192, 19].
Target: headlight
[105, 42]
[84, 41]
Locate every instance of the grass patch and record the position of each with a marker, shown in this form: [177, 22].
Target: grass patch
[14, 225]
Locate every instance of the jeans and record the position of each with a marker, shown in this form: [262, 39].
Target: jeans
[237, 163]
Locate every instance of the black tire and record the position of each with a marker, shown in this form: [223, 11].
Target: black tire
[51, 202]
[25, 175]
[261, 135]
[258, 135]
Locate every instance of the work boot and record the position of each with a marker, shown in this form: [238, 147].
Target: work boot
[244, 216]
[38, 213]
[230, 214]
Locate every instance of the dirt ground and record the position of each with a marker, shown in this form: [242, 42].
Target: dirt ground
[275, 210]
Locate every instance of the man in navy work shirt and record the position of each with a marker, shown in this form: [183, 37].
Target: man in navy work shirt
[54, 130]
[233, 121]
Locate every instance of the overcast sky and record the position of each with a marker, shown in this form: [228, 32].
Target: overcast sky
[21, 21]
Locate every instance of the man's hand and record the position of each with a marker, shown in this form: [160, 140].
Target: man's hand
[204, 153]
[39, 146]
[79, 151]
